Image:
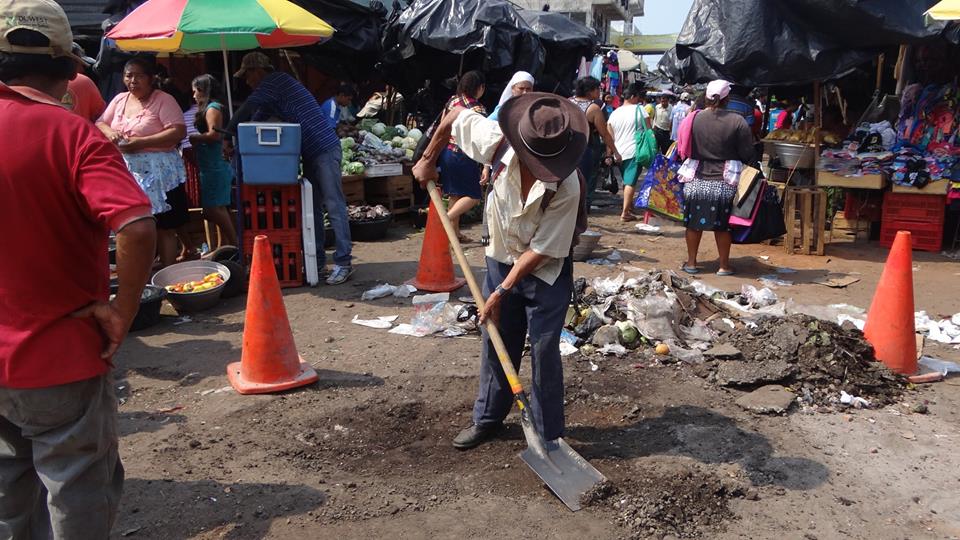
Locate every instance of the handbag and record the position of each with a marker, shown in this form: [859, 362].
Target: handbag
[646, 143]
[768, 222]
[662, 191]
[744, 213]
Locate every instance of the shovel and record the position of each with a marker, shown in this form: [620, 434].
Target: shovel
[558, 465]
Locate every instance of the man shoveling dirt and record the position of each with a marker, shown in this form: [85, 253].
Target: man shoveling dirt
[533, 214]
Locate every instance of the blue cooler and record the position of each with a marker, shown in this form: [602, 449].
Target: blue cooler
[269, 152]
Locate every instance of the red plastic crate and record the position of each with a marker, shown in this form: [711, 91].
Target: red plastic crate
[924, 236]
[863, 204]
[912, 207]
[287, 250]
[271, 208]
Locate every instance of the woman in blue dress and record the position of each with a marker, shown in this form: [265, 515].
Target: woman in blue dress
[216, 176]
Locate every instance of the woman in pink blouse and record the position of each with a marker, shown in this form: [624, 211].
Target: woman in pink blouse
[147, 124]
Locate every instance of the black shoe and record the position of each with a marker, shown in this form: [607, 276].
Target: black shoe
[475, 436]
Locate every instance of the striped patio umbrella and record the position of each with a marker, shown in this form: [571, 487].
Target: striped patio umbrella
[946, 10]
[191, 26]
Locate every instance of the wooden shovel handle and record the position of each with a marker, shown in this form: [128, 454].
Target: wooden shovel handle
[492, 331]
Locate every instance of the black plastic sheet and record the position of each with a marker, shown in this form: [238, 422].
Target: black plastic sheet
[785, 42]
[354, 50]
[437, 39]
[565, 42]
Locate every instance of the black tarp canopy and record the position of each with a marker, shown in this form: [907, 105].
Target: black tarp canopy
[437, 39]
[354, 49]
[787, 42]
[565, 42]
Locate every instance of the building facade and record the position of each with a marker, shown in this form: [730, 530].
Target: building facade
[597, 14]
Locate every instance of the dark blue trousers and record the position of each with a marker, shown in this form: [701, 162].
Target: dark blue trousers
[537, 309]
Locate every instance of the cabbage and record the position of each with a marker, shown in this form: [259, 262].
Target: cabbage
[378, 129]
[354, 167]
[409, 154]
[628, 332]
[348, 154]
[409, 143]
[401, 130]
[415, 134]
[347, 142]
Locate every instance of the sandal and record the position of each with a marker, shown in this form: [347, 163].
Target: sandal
[628, 218]
[689, 269]
[723, 273]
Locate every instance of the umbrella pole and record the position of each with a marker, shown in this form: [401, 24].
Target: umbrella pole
[226, 77]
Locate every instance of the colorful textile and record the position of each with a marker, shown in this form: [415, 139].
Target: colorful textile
[707, 205]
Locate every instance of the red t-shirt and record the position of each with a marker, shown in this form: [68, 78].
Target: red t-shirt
[83, 97]
[63, 187]
[784, 120]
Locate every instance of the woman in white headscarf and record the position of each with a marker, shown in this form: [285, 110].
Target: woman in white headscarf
[520, 83]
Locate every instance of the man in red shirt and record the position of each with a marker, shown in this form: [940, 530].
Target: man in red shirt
[83, 97]
[63, 187]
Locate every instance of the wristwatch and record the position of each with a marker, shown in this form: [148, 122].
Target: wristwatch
[501, 291]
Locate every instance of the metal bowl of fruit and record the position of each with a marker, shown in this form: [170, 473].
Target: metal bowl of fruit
[193, 285]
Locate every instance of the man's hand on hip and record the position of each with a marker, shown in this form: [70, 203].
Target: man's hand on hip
[114, 323]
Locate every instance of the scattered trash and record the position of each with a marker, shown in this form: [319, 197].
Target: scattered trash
[944, 331]
[614, 349]
[182, 320]
[599, 262]
[566, 349]
[765, 257]
[405, 329]
[854, 401]
[385, 289]
[662, 349]
[379, 322]
[568, 337]
[772, 281]
[467, 300]
[615, 256]
[786, 270]
[836, 280]
[607, 286]
[606, 335]
[454, 331]
[757, 298]
[936, 365]
[647, 228]
[434, 298]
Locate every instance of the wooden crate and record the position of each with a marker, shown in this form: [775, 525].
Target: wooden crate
[389, 186]
[939, 187]
[353, 189]
[858, 229]
[867, 181]
[397, 205]
[806, 209]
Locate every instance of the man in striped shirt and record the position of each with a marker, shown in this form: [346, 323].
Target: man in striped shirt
[276, 94]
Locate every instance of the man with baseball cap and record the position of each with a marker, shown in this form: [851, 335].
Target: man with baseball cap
[60, 472]
[83, 97]
[537, 199]
[278, 94]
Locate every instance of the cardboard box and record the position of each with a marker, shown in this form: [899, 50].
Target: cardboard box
[867, 181]
[940, 187]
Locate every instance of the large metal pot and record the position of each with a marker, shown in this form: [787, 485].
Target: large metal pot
[795, 155]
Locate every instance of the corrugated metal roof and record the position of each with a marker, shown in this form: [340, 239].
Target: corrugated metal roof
[84, 13]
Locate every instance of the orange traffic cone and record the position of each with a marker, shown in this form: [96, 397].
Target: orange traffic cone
[890, 325]
[269, 361]
[435, 273]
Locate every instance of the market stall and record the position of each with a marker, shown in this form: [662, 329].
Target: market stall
[806, 43]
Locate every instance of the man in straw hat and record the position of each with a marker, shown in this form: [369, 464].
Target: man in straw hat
[533, 213]
[60, 473]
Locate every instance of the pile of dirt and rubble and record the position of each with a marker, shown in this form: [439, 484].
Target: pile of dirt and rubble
[818, 359]
[664, 500]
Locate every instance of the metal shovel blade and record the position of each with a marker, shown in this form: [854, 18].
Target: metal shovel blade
[563, 470]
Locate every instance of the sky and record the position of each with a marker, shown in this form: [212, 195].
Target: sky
[661, 17]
